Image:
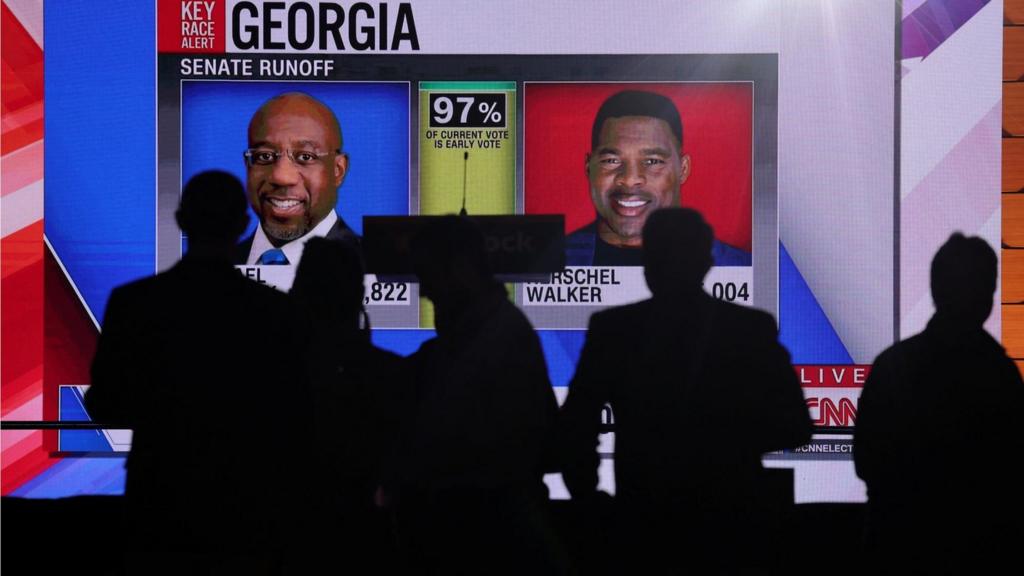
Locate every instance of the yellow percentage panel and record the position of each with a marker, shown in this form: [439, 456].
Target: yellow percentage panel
[467, 152]
[467, 145]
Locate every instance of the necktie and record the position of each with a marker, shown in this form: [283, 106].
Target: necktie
[273, 257]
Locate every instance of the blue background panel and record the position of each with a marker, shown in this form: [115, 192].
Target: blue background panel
[100, 156]
[401, 342]
[72, 409]
[803, 326]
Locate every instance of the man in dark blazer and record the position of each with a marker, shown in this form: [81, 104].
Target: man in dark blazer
[481, 410]
[700, 390]
[180, 362]
[294, 165]
[938, 437]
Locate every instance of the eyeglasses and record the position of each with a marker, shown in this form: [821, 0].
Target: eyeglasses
[267, 157]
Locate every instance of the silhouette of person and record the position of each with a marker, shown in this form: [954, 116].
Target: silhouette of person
[471, 497]
[700, 389]
[938, 437]
[176, 362]
[355, 395]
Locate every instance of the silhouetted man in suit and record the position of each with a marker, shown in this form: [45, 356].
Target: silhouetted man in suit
[938, 438]
[356, 388]
[700, 389]
[178, 362]
[471, 493]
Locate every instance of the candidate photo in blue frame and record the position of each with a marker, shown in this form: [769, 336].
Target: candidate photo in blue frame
[374, 123]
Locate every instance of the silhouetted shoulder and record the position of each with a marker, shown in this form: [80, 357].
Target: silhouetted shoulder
[138, 290]
[381, 356]
[749, 324]
[725, 314]
[196, 276]
[509, 329]
[240, 253]
[902, 355]
[382, 368]
[518, 321]
[263, 292]
[619, 314]
[914, 345]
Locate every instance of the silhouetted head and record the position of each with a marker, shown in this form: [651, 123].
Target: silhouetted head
[450, 260]
[212, 210]
[964, 280]
[636, 163]
[329, 282]
[677, 251]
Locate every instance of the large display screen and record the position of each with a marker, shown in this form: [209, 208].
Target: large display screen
[806, 133]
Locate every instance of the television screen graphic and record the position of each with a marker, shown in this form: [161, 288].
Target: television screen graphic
[811, 142]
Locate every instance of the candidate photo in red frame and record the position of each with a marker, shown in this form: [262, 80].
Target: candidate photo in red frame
[607, 154]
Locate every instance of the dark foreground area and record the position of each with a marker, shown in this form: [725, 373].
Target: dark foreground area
[83, 536]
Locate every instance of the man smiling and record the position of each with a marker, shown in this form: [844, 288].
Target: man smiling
[635, 166]
[295, 165]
